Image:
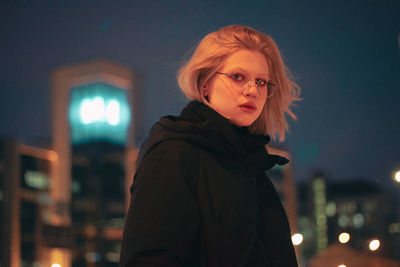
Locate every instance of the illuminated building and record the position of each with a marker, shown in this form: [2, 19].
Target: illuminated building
[92, 125]
[65, 206]
[360, 208]
[312, 219]
[27, 229]
[337, 255]
[349, 213]
[320, 219]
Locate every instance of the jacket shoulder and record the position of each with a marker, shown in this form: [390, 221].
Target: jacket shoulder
[172, 150]
[170, 158]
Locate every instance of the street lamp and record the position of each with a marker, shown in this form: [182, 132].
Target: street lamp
[374, 244]
[297, 239]
[344, 238]
[397, 176]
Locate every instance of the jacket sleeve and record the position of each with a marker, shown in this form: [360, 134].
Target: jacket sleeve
[163, 217]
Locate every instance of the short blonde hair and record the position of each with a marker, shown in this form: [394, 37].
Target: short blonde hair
[210, 55]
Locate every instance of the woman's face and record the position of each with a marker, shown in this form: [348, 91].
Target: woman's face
[238, 90]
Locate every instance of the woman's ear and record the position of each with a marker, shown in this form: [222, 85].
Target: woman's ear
[204, 90]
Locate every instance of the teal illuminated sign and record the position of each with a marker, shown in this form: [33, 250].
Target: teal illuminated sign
[98, 112]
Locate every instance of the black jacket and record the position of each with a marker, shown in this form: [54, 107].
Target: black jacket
[201, 197]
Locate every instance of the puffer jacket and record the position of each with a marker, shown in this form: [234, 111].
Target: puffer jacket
[201, 197]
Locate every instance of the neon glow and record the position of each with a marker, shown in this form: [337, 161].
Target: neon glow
[99, 112]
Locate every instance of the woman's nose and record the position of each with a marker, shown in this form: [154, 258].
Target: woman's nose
[251, 89]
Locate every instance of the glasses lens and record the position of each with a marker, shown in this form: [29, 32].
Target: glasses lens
[241, 82]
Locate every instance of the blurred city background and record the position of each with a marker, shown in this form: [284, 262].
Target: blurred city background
[82, 82]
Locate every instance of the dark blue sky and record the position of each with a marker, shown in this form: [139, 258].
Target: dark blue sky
[344, 54]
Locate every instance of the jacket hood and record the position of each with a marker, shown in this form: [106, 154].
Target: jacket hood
[201, 126]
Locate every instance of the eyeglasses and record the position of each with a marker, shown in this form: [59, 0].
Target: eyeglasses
[241, 82]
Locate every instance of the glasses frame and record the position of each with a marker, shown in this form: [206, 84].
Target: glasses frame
[269, 84]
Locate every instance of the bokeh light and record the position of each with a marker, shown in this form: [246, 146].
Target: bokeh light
[397, 176]
[374, 244]
[297, 239]
[344, 237]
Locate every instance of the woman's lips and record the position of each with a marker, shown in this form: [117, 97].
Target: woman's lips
[248, 107]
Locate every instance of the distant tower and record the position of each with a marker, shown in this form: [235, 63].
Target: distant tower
[320, 218]
[92, 116]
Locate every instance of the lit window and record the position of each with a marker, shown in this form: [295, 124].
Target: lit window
[113, 112]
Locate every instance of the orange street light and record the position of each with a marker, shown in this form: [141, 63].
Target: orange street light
[297, 239]
[374, 244]
[396, 176]
[344, 238]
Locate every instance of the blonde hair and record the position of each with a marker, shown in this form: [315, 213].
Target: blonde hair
[211, 53]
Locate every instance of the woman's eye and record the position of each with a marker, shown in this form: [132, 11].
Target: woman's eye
[261, 83]
[237, 76]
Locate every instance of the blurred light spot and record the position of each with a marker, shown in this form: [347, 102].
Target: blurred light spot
[342, 265]
[358, 220]
[344, 238]
[56, 265]
[342, 220]
[113, 112]
[112, 256]
[331, 209]
[394, 228]
[37, 180]
[397, 176]
[297, 239]
[374, 244]
[75, 187]
[93, 257]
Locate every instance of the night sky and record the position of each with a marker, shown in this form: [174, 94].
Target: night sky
[344, 54]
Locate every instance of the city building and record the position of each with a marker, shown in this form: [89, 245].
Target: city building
[354, 213]
[93, 136]
[339, 255]
[29, 235]
[65, 206]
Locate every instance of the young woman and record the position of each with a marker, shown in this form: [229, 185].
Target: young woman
[200, 195]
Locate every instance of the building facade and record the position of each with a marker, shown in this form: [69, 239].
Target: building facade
[65, 206]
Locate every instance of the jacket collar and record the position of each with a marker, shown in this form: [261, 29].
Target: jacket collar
[250, 148]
